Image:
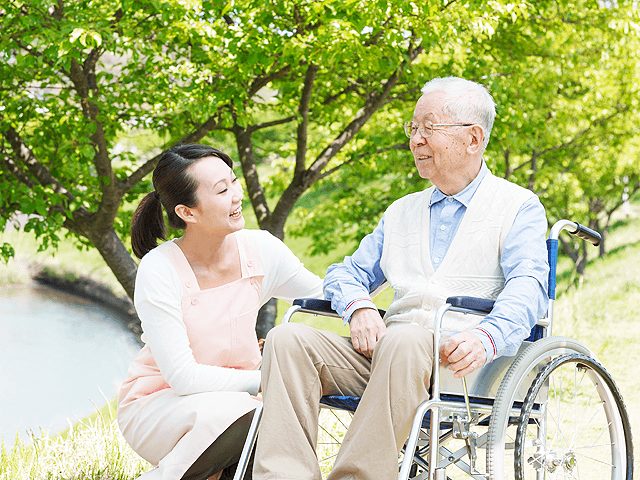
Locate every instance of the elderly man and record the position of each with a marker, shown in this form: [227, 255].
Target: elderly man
[471, 234]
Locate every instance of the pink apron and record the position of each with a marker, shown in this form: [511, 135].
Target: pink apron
[172, 431]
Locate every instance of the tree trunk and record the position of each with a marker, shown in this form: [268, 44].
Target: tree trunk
[602, 249]
[266, 318]
[117, 257]
[582, 260]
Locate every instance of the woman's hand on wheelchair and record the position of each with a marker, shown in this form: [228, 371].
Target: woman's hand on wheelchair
[463, 352]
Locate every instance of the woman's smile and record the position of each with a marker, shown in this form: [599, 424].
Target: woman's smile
[237, 213]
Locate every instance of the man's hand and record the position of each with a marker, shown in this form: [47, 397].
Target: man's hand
[367, 327]
[464, 352]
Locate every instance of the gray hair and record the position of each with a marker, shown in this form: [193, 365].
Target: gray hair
[465, 102]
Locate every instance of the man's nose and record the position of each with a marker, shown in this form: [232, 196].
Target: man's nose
[418, 138]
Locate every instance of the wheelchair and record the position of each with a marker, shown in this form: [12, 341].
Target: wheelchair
[551, 411]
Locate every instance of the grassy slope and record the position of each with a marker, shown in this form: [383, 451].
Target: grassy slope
[602, 313]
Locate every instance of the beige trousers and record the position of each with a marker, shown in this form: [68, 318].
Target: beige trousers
[301, 364]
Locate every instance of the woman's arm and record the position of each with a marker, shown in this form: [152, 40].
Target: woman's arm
[285, 276]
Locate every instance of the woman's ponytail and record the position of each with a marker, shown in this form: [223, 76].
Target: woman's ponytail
[147, 225]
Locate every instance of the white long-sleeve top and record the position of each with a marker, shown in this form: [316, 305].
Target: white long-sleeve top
[158, 296]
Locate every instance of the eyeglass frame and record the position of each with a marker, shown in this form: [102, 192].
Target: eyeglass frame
[422, 130]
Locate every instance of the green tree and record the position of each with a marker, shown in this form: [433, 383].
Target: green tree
[317, 91]
[570, 87]
[77, 75]
[566, 81]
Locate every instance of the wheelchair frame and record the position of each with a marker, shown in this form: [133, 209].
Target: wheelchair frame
[502, 394]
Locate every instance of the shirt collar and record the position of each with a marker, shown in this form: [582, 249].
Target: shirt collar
[465, 195]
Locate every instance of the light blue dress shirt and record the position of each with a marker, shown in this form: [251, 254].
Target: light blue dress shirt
[524, 263]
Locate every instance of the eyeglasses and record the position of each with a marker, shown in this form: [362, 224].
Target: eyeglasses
[426, 130]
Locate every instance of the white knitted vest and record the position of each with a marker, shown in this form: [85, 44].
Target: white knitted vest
[471, 266]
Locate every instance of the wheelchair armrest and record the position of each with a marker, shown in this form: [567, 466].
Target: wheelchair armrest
[319, 307]
[480, 305]
[314, 305]
[323, 307]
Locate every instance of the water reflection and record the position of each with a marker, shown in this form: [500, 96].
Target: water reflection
[58, 354]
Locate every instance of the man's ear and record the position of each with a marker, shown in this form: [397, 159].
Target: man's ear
[185, 213]
[477, 138]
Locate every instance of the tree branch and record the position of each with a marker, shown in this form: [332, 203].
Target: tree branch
[26, 157]
[406, 93]
[303, 110]
[194, 137]
[580, 134]
[351, 88]
[399, 146]
[13, 168]
[373, 103]
[260, 82]
[30, 50]
[84, 80]
[252, 179]
[253, 128]
[308, 177]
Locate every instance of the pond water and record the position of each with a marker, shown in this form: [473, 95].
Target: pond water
[59, 355]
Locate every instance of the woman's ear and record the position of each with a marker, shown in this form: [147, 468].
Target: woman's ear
[185, 213]
[477, 139]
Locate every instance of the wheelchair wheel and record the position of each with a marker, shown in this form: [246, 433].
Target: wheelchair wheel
[502, 430]
[573, 424]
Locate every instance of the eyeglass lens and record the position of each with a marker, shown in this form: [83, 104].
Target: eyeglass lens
[411, 128]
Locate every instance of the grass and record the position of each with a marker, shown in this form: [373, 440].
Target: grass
[91, 449]
[602, 312]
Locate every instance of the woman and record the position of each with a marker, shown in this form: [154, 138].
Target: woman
[189, 397]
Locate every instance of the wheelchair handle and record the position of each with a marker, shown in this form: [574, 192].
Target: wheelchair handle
[587, 234]
[581, 231]
[574, 228]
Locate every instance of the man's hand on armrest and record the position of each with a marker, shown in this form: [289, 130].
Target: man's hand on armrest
[464, 352]
[367, 327]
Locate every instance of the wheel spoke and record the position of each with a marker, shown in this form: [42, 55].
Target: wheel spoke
[580, 432]
[608, 464]
[572, 424]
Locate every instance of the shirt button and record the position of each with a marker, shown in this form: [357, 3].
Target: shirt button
[436, 260]
[194, 301]
[450, 199]
[442, 227]
[529, 265]
[187, 284]
[249, 263]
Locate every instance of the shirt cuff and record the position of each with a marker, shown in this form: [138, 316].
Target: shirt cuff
[356, 305]
[254, 384]
[487, 342]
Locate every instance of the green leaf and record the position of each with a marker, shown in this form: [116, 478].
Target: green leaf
[7, 252]
[76, 34]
